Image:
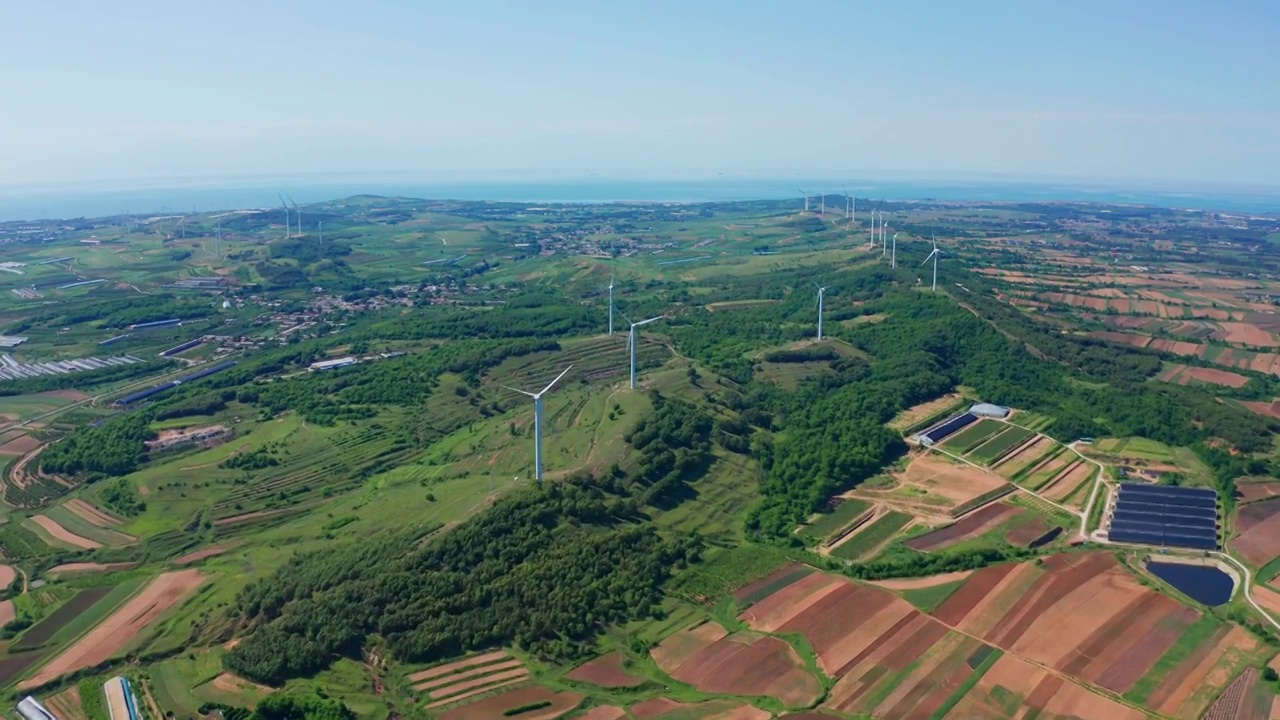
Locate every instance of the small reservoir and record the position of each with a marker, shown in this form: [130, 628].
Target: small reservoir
[1203, 583]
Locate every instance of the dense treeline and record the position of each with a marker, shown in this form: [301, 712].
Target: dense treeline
[675, 447]
[545, 569]
[117, 447]
[120, 496]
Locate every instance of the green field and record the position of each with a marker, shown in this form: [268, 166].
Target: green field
[973, 436]
[872, 536]
[830, 523]
[998, 446]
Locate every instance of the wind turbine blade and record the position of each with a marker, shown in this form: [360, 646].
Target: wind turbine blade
[553, 382]
[927, 258]
[522, 392]
[652, 319]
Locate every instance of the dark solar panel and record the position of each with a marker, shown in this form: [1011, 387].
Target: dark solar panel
[950, 426]
[1200, 497]
[1167, 516]
[1166, 511]
[1159, 528]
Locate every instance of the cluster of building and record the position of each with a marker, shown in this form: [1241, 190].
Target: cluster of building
[939, 431]
[12, 369]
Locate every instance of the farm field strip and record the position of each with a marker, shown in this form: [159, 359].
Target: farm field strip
[123, 626]
[998, 446]
[872, 536]
[973, 436]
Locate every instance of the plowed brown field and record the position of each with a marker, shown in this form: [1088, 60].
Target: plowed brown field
[1258, 531]
[1037, 692]
[606, 671]
[741, 664]
[125, 624]
[62, 534]
[971, 526]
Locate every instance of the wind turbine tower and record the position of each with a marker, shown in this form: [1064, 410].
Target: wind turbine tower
[822, 206]
[217, 240]
[893, 254]
[934, 256]
[288, 226]
[537, 421]
[821, 293]
[806, 200]
[299, 211]
[632, 342]
[610, 304]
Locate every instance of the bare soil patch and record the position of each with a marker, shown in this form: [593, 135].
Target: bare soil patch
[1021, 681]
[746, 664]
[939, 477]
[922, 582]
[971, 526]
[91, 514]
[605, 712]
[125, 624]
[467, 679]
[1067, 482]
[62, 534]
[676, 649]
[1258, 531]
[1253, 491]
[198, 555]
[66, 705]
[86, 567]
[1122, 338]
[1213, 377]
[607, 672]
[1030, 451]
[496, 705]
[912, 416]
[1266, 597]
[19, 445]
[457, 665]
[7, 576]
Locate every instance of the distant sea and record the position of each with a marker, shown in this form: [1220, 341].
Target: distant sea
[187, 195]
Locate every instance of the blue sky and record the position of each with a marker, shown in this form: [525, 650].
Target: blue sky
[1172, 91]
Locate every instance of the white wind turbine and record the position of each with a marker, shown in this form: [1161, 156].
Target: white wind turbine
[288, 226]
[934, 256]
[611, 303]
[632, 342]
[806, 200]
[822, 291]
[537, 420]
[299, 211]
[893, 254]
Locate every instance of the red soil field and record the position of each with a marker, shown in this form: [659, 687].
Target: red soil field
[1178, 347]
[922, 582]
[1174, 695]
[1258, 531]
[201, 554]
[7, 612]
[1267, 409]
[20, 445]
[1228, 706]
[488, 680]
[1247, 334]
[1266, 597]
[121, 627]
[1182, 375]
[940, 477]
[605, 712]
[70, 568]
[748, 664]
[779, 608]
[846, 623]
[494, 706]
[455, 699]
[1028, 533]
[1081, 614]
[1012, 462]
[1252, 491]
[7, 576]
[457, 665]
[1067, 482]
[972, 525]
[62, 534]
[607, 672]
[909, 666]
[676, 649]
[463, 679]
[1041, 694]
[91, 514]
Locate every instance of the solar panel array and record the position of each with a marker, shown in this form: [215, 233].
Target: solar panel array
[1161, 515]
[937, 433]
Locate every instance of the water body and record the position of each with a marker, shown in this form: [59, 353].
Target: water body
[204, 195]
[1202, 583]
